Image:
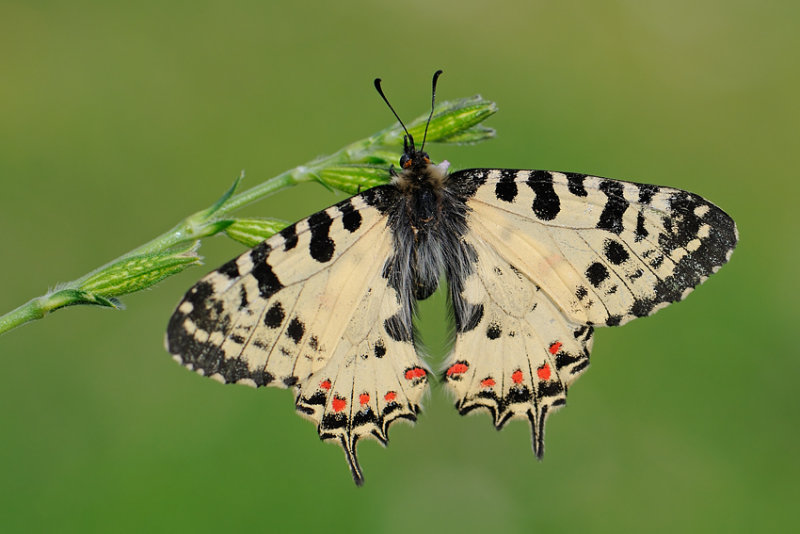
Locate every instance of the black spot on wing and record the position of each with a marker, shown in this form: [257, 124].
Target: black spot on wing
[518, 394]
[295, 330]
[268, 283]
[493, 331]
[290, 381]
[646, 193]
[613, 211]
[657, 261]
[290, 236]
[332, 421]
[303, 408]
[259, 253]
[549, 388]
[575, 184]
[615, 252]
[640, 232]
[506, 187]
[317, 399]
[581, 292]
[274, 316]
[596, 273]
[546, 203]
[321, 246]
[581, 331]
[230, 269]
[364, 418]
[380, 349]
[351, 218]
[564, 358]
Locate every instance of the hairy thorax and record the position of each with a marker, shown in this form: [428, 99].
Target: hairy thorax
[422, 184]
[428, 227]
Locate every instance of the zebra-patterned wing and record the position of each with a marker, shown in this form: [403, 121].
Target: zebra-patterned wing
[605, 251]
[311, 308]
[554, 255]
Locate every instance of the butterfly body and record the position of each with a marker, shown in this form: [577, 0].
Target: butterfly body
[534, 260]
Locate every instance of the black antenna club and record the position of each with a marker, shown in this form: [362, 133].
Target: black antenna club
[408, 140]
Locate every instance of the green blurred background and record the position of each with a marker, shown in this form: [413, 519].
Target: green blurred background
[118, 119]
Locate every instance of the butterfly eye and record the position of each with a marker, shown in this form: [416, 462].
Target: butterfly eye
[405, 161]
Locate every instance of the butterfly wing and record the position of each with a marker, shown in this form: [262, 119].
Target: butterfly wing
[311, 309]
[522, 354]
[554, 254]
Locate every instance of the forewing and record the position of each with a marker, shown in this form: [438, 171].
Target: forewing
[307, 309]
[605, 251]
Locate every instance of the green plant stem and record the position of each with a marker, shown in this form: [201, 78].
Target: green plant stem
[33, 309]
[192, 228]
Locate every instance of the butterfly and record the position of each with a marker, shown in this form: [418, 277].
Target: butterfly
[534, 260]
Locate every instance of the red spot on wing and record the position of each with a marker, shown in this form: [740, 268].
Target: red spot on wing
[516, 376]
[487, 382]
[363, 398]
[390, 396]
[415, 372]
[325, 384]
[543, 372]
[338, 404]
[554, 347]
[457, 369]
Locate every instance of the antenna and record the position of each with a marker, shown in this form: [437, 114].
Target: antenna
[408, 135]
[433, 101]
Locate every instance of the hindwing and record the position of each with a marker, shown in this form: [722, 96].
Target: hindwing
[523, 353]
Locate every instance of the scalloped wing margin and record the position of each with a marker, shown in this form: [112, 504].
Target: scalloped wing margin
[312, 309]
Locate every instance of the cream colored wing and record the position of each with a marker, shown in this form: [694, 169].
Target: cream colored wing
[310, 309]
[605, 251]
[523, 354]
[554, 255]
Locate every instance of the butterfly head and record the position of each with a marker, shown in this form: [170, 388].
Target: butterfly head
[418, 170]
[412, 159]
